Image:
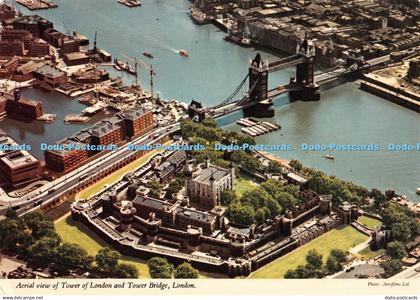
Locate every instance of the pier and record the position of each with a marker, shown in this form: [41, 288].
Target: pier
[130, 3]
[253, 127]
[37, 4]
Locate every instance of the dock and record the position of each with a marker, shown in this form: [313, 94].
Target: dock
[91, 110]
[130, 3]
[254, 127]
[48, 118]
[71, 118]
[37, 4]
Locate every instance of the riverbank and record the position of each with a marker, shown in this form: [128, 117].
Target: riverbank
[213, 70]
[389, 92]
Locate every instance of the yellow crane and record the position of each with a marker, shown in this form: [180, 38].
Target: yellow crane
[137, 63]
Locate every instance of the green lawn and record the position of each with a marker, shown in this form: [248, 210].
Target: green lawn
[368, 254]
[77, 233]
[340, 238]
[369, 222]
[243, 183]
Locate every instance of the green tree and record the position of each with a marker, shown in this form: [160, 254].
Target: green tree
[9, 229]
[23, 241]
[126, 271]
[314, 259]
[273, 206]
[155, 188]
[11, 214]
[378, 196]
[240, 214]
[174, 187]
[274, 167]
[257, 197]
[228, 197]
[335, 261]
[72, 255]
[396, 250]
[401, 231]
[42, 252]
[160, 268]
[290, 274]
[295, 164]
[392, 267]
[332, 265]
[341, 255]
[185, 270]
[107, 260]
[301, 272]
[260, 216]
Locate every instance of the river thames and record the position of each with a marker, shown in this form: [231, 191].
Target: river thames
[344, 115]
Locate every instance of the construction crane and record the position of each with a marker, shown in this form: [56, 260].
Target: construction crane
[137, 63]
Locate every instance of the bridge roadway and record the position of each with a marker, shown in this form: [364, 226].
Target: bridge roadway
[319, 78]
[43, 195]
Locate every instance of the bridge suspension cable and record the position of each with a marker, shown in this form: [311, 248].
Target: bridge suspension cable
[232, 98]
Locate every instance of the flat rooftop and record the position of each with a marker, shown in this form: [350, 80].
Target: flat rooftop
[212, 171]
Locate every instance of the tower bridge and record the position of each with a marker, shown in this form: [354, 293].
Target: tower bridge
[253, 96]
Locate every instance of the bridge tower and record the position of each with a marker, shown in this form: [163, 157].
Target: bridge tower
[258, 79]
[258, 89]
[303, 86]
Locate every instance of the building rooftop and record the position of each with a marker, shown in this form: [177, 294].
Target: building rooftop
[14, 158]
[133, 114]
[50, 71]
[212, 172]
[196, 215]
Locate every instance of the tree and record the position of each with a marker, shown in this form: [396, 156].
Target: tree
[155, 188]
[339, 254]
[228, 197]
[332, 265]
[395, 214]
[290, 274]
[240, 214]
[185, 270]
[72, 255]
[43, 251]
[174, 187]
[314, 259]
[209, 122]
[126, 271]
[391, 267]
[160, 268]
[274, 167]
[273, 206]
[396, 250]
[9, 228]
[335, 261]
[378, 196]
[301, 272]
[257, 197]
[107, 260]
[23, 241]
[295, 164]
[260, 216]
[11, 214]
[401, 231]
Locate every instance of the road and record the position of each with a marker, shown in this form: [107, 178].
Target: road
[412, 272]
[319, 79]
[58, 187]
